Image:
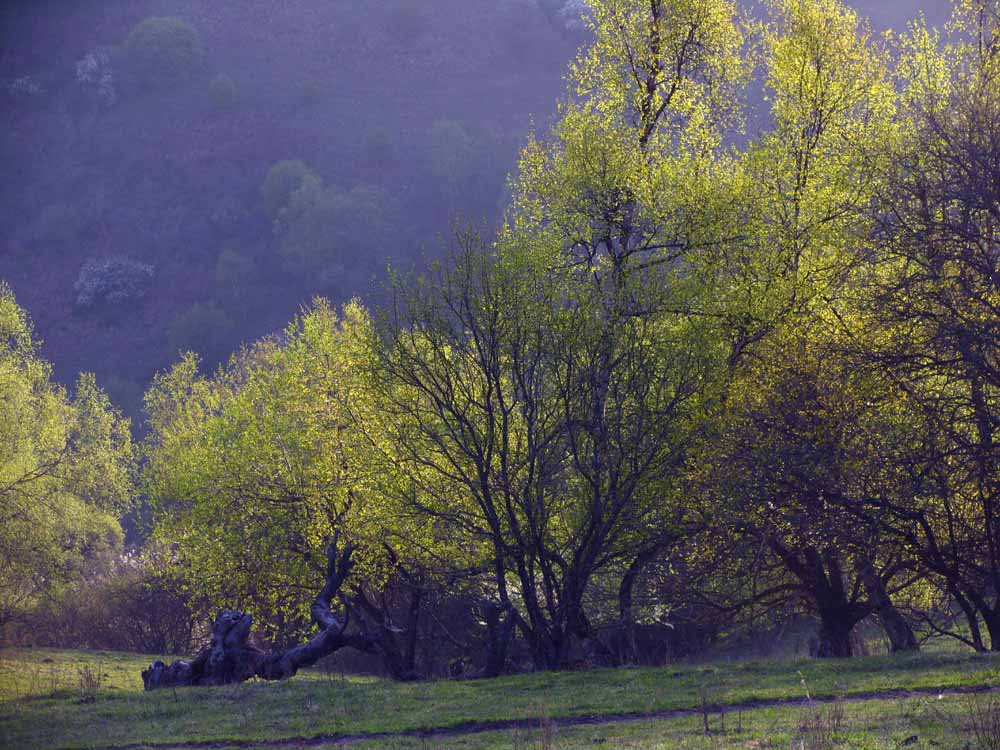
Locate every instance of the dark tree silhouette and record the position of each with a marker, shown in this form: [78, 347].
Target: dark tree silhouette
[231, 658]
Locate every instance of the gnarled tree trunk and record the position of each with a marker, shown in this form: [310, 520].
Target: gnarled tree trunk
[230, 658]
[901, 637]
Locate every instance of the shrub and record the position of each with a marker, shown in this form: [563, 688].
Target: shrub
[25, 89]
[163, 52]
[95, 77]
[222, 90]
[135, 603]
[234, 272]
[328, 232]
[111, 280]
[283, 179]
[202, 328]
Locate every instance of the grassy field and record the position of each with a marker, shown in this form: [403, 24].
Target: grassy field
[73, 699]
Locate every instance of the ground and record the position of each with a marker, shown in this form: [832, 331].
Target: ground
[78, 699]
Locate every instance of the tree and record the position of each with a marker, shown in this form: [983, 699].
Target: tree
[804, 442]
[231, 658]
[258, 458]
[529, 426]
[273, 455]
[65, 473]
[934, 298]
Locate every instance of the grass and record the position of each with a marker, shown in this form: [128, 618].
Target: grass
[76, 699]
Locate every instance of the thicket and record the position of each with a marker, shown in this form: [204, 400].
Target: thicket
[689, 390]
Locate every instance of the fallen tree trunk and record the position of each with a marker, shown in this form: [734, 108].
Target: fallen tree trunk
[230, 657]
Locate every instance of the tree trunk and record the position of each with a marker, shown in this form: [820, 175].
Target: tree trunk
[835, 635]
[822, 580]
[629, 652]
[231, 658]
[499, 633]
[991, 618]
[901, 637]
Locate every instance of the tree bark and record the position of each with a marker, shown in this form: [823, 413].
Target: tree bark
[230, 657]
[901, 637]
[991, 618]
[499, 634]
[822, 579]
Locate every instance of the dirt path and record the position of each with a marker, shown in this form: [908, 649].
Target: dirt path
[479, 727]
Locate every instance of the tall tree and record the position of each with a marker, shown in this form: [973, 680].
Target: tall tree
[65, 473]
[934, 284]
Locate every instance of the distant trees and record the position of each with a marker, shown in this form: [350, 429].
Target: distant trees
[282, 180]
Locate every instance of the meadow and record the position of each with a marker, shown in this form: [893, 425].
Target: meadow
[79, 699]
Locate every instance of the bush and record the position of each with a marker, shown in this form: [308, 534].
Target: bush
[222, 90]
[283, 179]
[111, 280]
[163, 52]
[202, 328]
[327, 233]
[234, 272]
[95, 77]
[136, 603]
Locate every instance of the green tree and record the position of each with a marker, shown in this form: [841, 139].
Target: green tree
[934, 300]
[65, 473]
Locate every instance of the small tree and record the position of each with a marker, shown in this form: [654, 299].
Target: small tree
[162, 52]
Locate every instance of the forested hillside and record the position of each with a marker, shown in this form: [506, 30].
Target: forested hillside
[410, 113]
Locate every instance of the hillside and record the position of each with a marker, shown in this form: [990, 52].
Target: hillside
[419, 107]
[172, 178]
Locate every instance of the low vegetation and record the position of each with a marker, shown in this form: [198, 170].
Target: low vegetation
[95, 699]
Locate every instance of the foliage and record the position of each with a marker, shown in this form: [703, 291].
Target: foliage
[263, 449]
[235, 271]
[111, 280]
[131, 602]
[282, 180]
[95, 76]
[25, 88]
[932, 300]
[222, 91]
[451, 152]
[163, 52]
[65, 473]
[333, 234]
[202, 328]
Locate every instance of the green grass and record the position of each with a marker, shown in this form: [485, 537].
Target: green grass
[95, 699]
